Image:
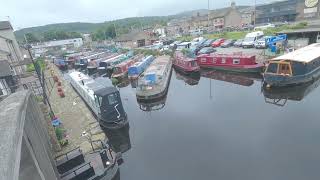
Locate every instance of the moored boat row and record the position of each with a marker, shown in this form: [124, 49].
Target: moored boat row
[300, 66]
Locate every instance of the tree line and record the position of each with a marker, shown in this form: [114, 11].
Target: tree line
[50, 36]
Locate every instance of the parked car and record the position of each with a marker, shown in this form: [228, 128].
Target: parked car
[175, 43]
[198, 46]
[238, 43]
[206, 50]
[261, 43]
[228, 43]
[208, 42]
[218, 42]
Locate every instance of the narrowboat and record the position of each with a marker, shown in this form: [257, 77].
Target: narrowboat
[94, 64]
[60, 63]
[300, 66]
[138, 68]
[121, 70]
[236, 62]
[154, 82]
[105, 63]
[231, 77]
[280, 95]
[190, 79]
[185, 61]
[83, 61]
[102, 98]
[101, 162]
[112, 64]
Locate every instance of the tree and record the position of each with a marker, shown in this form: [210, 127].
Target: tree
[31, 38]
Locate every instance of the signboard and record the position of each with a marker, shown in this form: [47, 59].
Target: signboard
[274, 39]
[311, 3]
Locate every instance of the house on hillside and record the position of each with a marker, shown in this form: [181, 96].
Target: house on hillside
[136, 39]
[225, 17]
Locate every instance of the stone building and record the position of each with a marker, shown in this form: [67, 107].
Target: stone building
[9, 48]
[136, 39]
[226, 17]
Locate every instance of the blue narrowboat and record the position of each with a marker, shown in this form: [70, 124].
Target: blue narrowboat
[136, 69]
[297, 67]
[60, 63]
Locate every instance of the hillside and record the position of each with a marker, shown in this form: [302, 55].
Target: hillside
[122, 25]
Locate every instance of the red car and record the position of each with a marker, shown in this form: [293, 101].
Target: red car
[218, 42]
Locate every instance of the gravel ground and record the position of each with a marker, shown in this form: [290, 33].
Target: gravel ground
[75, 116]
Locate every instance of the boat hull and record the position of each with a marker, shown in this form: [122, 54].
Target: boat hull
[186, 70]
[156, 96]
[258, 68]
[279, 80]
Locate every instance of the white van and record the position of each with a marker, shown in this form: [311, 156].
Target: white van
[251, 38]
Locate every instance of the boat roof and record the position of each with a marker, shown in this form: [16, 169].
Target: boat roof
[305, 54]
[158, 66]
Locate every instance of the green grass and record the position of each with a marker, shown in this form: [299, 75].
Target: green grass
[242, 34]
[40, 61]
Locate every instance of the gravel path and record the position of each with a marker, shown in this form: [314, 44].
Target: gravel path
[75, 115]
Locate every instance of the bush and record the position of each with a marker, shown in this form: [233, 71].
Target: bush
[40, 61]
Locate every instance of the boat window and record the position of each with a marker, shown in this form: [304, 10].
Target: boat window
[284, 69]
[113, 98]
[236, 61]
[272, 68]
[98, 100]
[193, 63]
[223, 60]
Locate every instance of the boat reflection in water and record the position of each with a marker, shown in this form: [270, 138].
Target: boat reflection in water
[280, 95]
[153, 105]
[119, 139]
[190, 79]
[244, 79]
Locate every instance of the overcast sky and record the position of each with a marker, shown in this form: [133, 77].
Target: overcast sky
[29, 13]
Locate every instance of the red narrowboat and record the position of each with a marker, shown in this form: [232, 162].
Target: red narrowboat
[121, 70]
[236, 62]
[186, 63]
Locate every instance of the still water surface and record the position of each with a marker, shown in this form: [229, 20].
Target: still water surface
[215, 129]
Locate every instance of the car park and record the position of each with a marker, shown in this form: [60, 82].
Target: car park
[207, 50]
[208, 42]
[250, 39]
[261, 43]
[228, 43]
[238, 43]
[218, 42]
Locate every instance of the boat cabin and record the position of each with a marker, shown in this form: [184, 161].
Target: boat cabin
[185, 61]
[226, 59]
[295, 67]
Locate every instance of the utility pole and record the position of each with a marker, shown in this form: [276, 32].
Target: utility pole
[255, 12]
[208, 14]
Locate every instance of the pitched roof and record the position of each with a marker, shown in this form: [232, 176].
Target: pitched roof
[305, 54]
[5, 69]
[5, 25]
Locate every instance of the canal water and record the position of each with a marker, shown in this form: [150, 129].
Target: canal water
[221, 126]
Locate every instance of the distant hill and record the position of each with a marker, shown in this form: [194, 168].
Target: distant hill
[134, 22]
[123, 25]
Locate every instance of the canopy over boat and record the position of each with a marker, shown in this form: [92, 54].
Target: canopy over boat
[304, 55]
